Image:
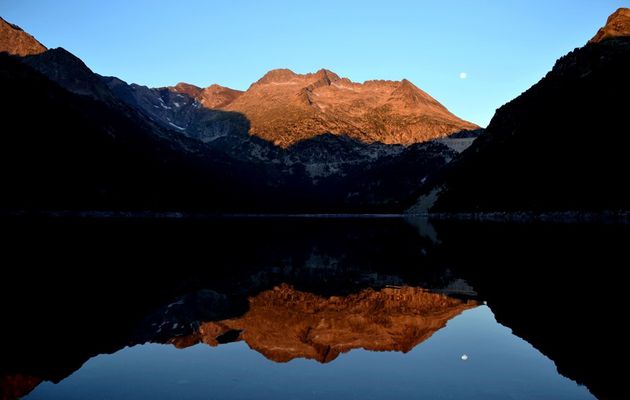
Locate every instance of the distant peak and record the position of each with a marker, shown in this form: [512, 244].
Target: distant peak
[61, 56]
[326, 75]
[405, 86]
[217, 96]
[14, 40]
[61, 52]
[411, 95]
[217, 87]
[405, 83]
[186, 88]
[286, 75]
[617, 25]
[278, 76]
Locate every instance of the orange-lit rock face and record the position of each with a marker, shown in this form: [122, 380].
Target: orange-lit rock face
[285, 107]
[15, 41]
[187, 89]
[284, 323]
[618, 24]
[15, 386]
[214, 96]
[217, 96]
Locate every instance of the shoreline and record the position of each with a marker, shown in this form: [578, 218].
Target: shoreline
[619, 217]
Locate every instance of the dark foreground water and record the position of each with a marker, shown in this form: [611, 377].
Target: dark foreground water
[292, 308]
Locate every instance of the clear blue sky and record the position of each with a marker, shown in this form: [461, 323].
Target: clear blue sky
[504, 46]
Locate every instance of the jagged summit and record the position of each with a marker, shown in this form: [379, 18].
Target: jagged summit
[409, 95]
[617, 25]
[15, 41]
[285, 75]
[326, 76]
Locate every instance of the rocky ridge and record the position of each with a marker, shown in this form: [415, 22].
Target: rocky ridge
[285, 108]
[617, 25]
[15, 41]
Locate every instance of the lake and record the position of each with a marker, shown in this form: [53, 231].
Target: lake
[370, 308]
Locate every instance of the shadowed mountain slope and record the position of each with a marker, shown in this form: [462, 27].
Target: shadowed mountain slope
[560, 146]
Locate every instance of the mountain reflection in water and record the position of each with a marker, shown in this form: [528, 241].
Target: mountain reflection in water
[284, 323]
[294, 290]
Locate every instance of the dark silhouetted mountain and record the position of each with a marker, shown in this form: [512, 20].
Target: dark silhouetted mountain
[560, 146]
[71, 152]
[64, 68]
[15, 41]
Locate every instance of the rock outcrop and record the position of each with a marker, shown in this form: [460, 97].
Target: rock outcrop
[15, 41]
[217, 96]
[617, 25]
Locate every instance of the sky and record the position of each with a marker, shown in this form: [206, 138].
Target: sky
[472, 56]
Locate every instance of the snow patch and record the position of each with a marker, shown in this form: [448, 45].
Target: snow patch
[177, 303]
[163, 104]
[176, 126]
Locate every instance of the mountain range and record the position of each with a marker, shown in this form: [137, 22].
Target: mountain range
[309, 142]
[285, 108]
[119, 146]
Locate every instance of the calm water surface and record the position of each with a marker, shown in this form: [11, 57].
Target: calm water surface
[305, 309]
[499, 365]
